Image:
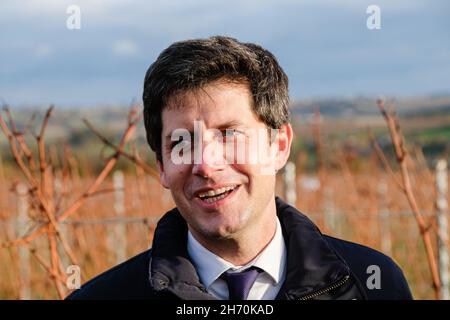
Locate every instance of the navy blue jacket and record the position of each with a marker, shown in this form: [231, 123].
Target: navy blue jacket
[318, 267]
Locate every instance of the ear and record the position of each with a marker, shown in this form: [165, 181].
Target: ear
[162, 174]
[283, 145]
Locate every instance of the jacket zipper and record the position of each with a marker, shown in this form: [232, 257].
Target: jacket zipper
[325, 290]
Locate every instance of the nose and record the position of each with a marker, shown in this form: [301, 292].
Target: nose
[208, 159]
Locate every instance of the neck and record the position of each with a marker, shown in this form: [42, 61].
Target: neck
[243, 246]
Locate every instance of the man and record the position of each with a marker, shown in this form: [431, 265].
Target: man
[206, 103]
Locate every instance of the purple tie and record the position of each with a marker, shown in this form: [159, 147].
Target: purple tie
[239, 283]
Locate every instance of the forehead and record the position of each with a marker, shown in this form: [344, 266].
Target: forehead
[214, 104]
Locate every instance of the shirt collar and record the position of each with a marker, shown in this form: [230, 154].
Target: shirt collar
[273, 258]
[209, 266]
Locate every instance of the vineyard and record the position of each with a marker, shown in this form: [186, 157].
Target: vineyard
[61, 208]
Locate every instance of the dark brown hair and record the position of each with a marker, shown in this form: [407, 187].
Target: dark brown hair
[191, 64]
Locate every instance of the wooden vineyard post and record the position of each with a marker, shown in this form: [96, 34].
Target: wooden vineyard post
[385, 233]
[442, 217]
[290, 183]
[24, 253]
[120, 228]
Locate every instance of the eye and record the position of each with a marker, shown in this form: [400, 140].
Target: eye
[174, 143]
[182, 142]
[228, 134]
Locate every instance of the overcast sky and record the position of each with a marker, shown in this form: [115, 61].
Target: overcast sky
[325, 47]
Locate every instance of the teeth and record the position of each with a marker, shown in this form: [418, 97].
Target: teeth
[211, 200]
[212, 193]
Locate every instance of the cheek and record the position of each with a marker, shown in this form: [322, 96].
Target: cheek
[177, 176]
[257, 176]
[249, 173]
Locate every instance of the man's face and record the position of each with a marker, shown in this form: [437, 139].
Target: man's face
[221, 196]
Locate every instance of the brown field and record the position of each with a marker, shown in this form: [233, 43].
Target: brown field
[356, 199]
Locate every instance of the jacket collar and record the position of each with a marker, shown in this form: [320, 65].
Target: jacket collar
[171, 270]
[311, 264]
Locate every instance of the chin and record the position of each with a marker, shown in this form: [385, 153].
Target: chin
[219, 232]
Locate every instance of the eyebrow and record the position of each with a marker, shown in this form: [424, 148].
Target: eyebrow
[230, 124]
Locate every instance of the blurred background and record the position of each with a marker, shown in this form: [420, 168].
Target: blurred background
[88, 60]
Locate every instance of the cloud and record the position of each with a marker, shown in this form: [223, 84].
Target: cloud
[43, 50]
[323, 45]
[125, 47]
[51, 7]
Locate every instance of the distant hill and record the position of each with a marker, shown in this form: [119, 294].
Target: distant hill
[66, 123]
[364, 106]
[425, 121]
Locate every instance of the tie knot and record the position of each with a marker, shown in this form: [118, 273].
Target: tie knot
[240, 283]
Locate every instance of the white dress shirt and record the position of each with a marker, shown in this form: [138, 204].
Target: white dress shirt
[272, 260]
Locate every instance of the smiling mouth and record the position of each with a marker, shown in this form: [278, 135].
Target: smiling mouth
[212, 196]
